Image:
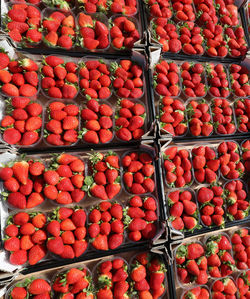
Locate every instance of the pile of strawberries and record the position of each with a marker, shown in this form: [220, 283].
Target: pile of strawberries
[23, 23]
[241, 248]
[236, 199]
[73, 282]
[59, 79]
[191, 38]
[198, 292]
[223, 288]
[95, 80]
[25, 237]
[166, 79]
[148, 276]
[165, 32]
[239, 80]
[138, 173]
[124, 32]
[105, 226]
[172, 116]
[242, 283]
[191, 263]
[245, 148]
[215, 40]
[22, 122]
[223, 117]
[160, 9]
[229, 155]
[94, 33]
[31, 288]
[67, 230]
[205, 11]
[93, 7]
[236, 41]
[125, 7]
[183, 210]
[64, 179]
[19, 77]
[183, 10]
[112, 279]
[219, 260]
[23, 184]
[128, 79]
[205, 164]
[193, 75]
[228, 12]
[97, 122]
[217, 80]
[104, 181]
[62, 124]
[59, 29]
[177, 167]
[142, 219]
[242, 113]
[129, 122]
[199, 118]
[211, 204]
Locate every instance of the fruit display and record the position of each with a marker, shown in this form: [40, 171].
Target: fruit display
[245, 148]
[240, 241]
[127, 79]
[138, 173]
[59, 79]
[97, 122]
[193, 75]
[105, 226]
[67, 231]
[218, 81]
[125, 149]
[62, 123]
[206, 164]
[242, 114]
[191, 38]
[166, 79]
[31, 288]
[199, 292]
[129, 123]
[219, 258]
[242, 283]
[223, 116]
[64, 179]
[224, 287]
[22, 123]
[104, 181]
[229, 155]
[173, 116]
[183, 210]
[23, 184]
[94, 79]
[148, 276]
[141, 218]
[19, 77]
[177, 166]
[73, 283]
[199, 117]
[112, 279]
[25, 237]
[191, 264]
[23, 23]
[211, 204]
[124, 32]
[93, 31]
[236, 199]
[59, 29]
